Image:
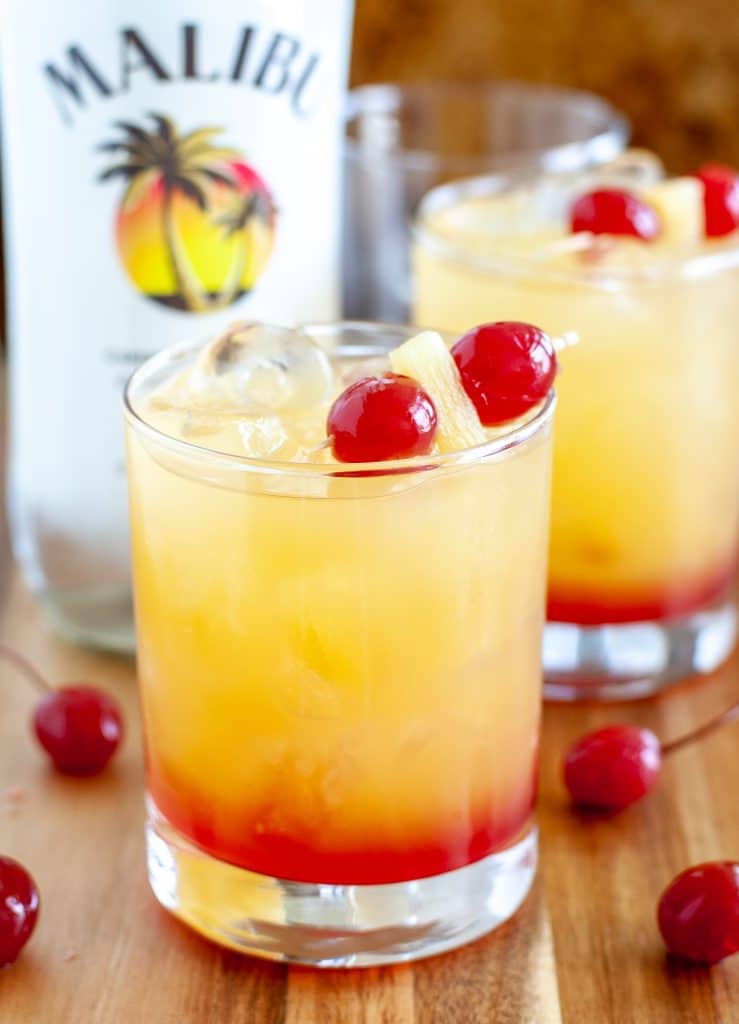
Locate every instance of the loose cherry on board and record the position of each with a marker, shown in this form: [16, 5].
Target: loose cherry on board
[79, 727]
[506, 368]
[698, 913]
[720, 199]
[19, 905]
[610, 768]
[378, 418]
[614, 211]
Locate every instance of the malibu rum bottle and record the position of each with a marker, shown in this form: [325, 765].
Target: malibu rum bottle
[169, 166]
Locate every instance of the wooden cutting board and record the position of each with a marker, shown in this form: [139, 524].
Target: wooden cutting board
[584, 949]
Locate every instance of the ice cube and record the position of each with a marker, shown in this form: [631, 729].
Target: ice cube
[263, 436]
[201, 425]
[625, 259]
[255, 369]
[352, 370]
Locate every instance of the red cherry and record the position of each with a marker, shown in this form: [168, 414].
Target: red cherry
[613, 211]
[377, 418]
[720, 199]
[698, 913]
[80, 728]
[506, 369]
[610, 768]
[18, 909]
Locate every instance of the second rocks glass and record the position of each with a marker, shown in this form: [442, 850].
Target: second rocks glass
[645, 513]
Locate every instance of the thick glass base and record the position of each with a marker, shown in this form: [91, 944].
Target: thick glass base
[627, 661]
[335, 925]
[99, 617]
[85, 594]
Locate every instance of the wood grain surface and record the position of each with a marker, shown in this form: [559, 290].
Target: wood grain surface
[584, 949]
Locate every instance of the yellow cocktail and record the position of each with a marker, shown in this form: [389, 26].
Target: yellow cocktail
[645, 513]
[339, 667]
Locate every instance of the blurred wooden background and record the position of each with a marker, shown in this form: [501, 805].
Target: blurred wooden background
[671, 65]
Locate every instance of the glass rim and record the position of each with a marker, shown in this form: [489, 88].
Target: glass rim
[387, 97]
[687, 266]
[506, 442]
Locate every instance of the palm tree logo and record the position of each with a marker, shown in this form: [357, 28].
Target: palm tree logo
[195, 225]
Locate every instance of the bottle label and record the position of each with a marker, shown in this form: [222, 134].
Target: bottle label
[169, 167]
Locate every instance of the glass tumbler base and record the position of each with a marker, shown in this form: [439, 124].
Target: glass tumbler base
[335, 925]
[627, 661]
[97, 617]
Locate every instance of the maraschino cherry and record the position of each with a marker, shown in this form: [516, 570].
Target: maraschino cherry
[378, 418]
[506, 368]
[79, 727]
[610, 768]
[614, 211]
[698, 913]
[19, 905]
[720, 199]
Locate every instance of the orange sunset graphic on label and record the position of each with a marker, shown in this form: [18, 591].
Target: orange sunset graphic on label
[195, 225]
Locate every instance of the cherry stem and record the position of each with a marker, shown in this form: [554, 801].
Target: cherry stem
[25, 668]
[704, 730]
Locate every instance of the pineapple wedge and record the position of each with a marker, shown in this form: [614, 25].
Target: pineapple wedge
[427, 359]
[679, 203]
